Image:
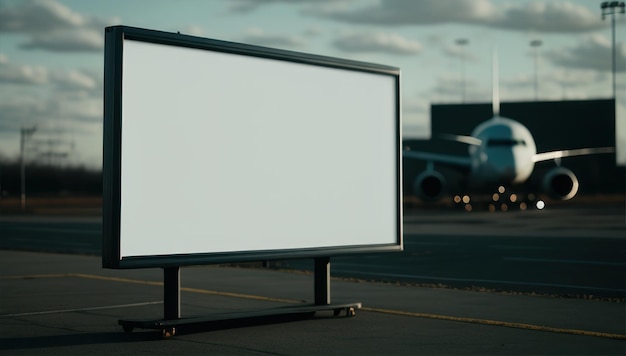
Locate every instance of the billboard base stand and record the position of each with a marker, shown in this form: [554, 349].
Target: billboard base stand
[172, 321]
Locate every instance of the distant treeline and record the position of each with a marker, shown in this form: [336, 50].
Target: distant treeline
[48, 180]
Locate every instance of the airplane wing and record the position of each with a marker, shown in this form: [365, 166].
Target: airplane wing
[546, 156]
[454, 161]
[470, 140]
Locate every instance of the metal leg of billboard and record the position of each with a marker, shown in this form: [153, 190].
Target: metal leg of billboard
[321, 282]
[173, 323]
[171, 293]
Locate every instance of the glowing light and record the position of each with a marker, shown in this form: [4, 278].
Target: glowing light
[466, 199]
[501, 189]
[504, 207]
[492, 208]
[468, 207]
[523, 206]
[495, 197]
[513, 198]
[457, 199]
[540, 204]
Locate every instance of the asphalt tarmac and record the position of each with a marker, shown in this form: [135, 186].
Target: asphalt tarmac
[573, 251]
[66, 304]
[56, 299]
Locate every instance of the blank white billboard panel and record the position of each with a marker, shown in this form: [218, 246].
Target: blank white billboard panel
[231, 153]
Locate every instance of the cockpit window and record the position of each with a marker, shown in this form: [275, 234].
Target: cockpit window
[505, 142]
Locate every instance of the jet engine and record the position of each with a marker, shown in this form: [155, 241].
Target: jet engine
[560, 183]
[429, 185]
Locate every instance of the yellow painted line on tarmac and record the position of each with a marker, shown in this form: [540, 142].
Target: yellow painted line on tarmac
[152, 283]
[191, 290]
[80, 309]
[239, 295]
[34, 276]
[375, 310]
[116, 279]
[498, 323]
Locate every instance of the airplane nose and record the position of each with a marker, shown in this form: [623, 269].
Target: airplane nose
[507, 173]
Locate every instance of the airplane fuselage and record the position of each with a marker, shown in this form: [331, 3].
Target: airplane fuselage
[502, 152]
[505, 152]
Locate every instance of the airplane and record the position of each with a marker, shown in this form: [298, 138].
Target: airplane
[502, 153]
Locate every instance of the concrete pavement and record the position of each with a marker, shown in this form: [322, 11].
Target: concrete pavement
[68, 304]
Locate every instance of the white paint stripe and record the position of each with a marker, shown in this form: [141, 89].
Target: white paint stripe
[580, 262]
[499, 323]
[63, 230]
[469, 280]
[80, 309]
[46, 240]
[520, 247]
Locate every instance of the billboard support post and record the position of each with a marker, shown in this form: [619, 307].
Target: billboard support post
[322, 281]
[172, 313]
[171, 293]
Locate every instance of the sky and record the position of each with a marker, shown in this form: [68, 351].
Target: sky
[51, 55]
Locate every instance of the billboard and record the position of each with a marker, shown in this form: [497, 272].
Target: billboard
[223, 152]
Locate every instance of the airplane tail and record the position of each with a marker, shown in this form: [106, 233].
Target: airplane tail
[495, 82]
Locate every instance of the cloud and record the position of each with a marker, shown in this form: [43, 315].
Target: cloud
[415, 117]
[313, 31]
[447, 87]
[193, 30]
[21, 74]
[563, 84]
[553, 17]
[377, 42]
[78, 106]
[73, 119]
[61, 79]
[19, 111]
[53, 110]
[259, 37]
[38, 16]
[459, 52]
[66, 41]
[390, 12]
[53, 27]
[574, 78]
[246, 6]
[72, 80]
[415, 104]
[593, 52]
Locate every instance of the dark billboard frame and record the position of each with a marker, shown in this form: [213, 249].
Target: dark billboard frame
[112, 150]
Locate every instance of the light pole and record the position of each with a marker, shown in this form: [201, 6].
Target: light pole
[612, 8]
[535, 44]
[25, 134]
[462, 42]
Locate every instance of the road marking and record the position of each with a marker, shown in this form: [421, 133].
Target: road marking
[471, 280]
[498, 323]
[580, 262]
[191, 290]
[62, 230]
[438, 244]
[35, 276]
[257, 297]
[520, 247]
[80, 309]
